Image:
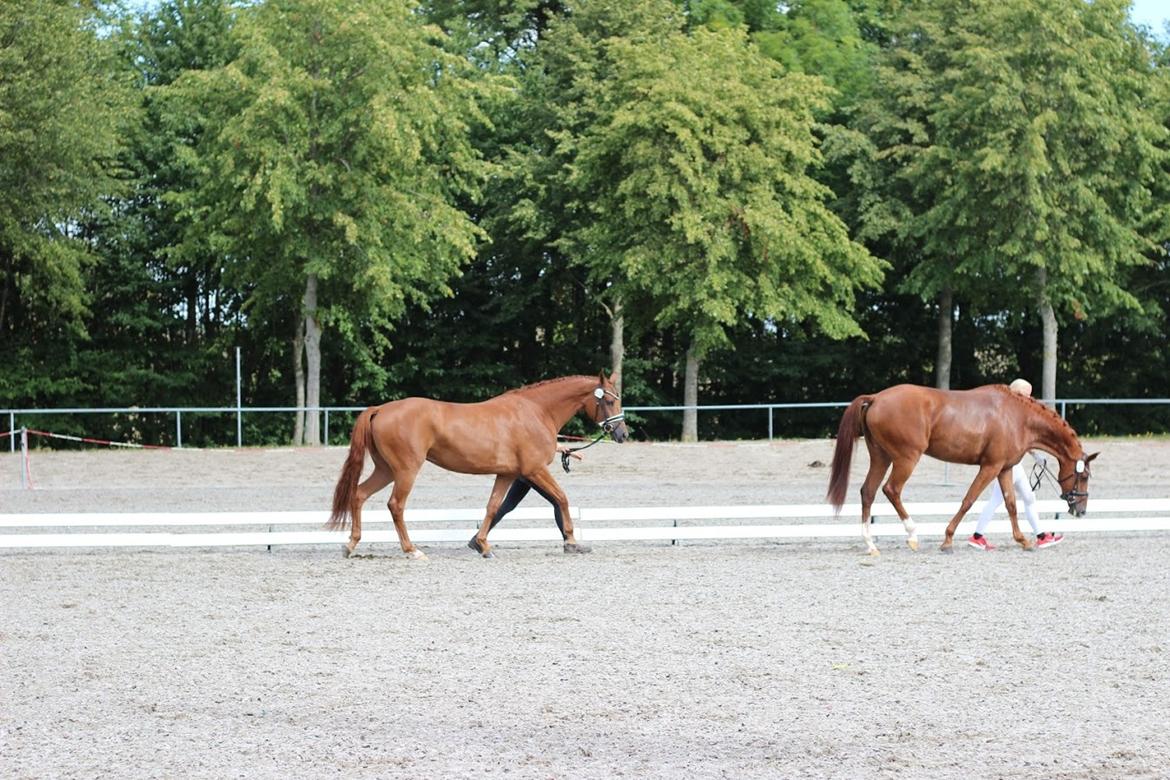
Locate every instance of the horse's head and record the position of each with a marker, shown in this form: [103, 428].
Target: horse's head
[607, 408]
[1074, 483]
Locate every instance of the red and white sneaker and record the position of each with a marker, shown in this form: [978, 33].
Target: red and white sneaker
[1047, 539]
[981, 543]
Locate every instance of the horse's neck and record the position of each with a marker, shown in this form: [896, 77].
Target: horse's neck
[1049, 433]
[561, 400]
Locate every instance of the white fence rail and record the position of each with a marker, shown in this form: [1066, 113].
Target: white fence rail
[610, 524]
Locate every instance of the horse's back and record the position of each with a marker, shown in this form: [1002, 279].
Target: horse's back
[952, 425]
[472, 438]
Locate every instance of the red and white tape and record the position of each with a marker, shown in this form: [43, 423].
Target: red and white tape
[106, 442]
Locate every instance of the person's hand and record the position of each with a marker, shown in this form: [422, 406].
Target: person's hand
[563, 449]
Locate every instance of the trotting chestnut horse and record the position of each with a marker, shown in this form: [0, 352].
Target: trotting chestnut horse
[990, 427]
[513, 435]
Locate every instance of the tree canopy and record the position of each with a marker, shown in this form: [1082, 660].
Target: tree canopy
[732, 200]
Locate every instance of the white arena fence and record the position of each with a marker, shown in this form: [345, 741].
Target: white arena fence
[606, 524]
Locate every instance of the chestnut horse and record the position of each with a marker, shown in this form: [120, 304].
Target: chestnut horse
[990, 427]
[513, 435]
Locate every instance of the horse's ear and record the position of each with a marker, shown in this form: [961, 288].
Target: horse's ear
[1089, 458]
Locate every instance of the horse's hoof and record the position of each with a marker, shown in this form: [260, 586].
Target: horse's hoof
[577, 548]
[489, 554]
[913, 544]
[874, 553]
[474, 544]
[947, 549]
[346, 551]
[417, 555]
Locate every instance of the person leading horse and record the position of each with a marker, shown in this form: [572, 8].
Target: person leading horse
[513, 435]
[989, 427]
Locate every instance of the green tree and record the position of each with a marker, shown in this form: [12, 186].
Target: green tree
[160, 313]
[532, 209]
[701, 196]
[65, 103]
[337, 149]
[1022, 155]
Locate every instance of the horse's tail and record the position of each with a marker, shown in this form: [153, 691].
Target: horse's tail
[360, 441]
[847, 434]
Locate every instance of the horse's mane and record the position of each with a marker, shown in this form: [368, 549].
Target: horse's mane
[1040, 407]
[544, 382]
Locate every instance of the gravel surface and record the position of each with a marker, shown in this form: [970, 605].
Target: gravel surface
[793, 659]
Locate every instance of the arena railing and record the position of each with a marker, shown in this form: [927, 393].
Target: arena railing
[15, 416]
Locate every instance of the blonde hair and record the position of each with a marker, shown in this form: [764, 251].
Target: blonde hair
[1021, 386]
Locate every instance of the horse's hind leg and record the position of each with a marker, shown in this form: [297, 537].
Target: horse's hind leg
[379, 479]
[397, 504]
[893, 490]
[879, 463]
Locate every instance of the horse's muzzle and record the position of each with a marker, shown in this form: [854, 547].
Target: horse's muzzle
[1077, 504]
[616, 427]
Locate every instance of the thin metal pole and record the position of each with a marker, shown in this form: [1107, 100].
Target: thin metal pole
[24, 458]
[239, 405]
[12, 427]
[179, 428]
[769, 423]
[326, 427]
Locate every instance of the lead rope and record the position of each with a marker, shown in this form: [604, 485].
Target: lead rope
[565, 454]
[1039, 471]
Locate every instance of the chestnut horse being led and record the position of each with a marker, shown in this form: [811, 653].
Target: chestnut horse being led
[990, 427]
[513, 435]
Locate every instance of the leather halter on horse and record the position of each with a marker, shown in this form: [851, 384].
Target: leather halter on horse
[1070, 496]
[604, 406]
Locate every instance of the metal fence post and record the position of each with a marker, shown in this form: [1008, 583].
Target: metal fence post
[769, 423]
[239, 406]
[12, 427]
[24, 472]
[179, 428]
[326, 427]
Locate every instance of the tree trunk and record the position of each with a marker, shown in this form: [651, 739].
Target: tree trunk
[313, 361]
[192, 325]
[617, 344]
[1049, 329]
[690, 431]
[299, 374]
[946, 310]
[8, 276]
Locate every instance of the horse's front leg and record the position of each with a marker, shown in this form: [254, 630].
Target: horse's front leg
[1007, 485]
[982, 480]
[544, 483]
[479, 542]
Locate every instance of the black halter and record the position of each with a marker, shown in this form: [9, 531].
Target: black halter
[1071, 495]
[607, 423]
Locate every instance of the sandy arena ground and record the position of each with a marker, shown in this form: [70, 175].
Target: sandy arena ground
[792, 659]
